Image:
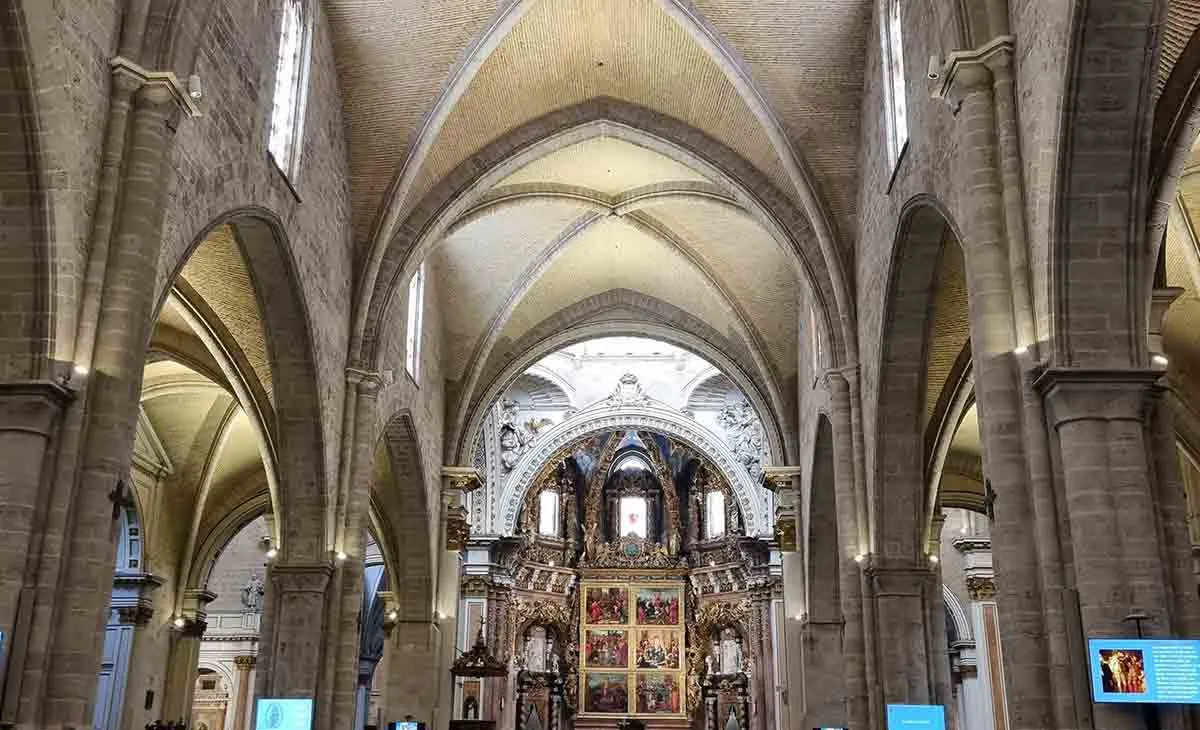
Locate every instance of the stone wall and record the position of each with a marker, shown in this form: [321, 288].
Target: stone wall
[221, 164]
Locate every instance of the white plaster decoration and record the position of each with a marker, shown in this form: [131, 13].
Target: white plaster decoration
[648, 414]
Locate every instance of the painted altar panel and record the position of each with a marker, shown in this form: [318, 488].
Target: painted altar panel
[633, 639]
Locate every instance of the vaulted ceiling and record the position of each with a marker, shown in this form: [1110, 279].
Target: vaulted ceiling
[432, 89]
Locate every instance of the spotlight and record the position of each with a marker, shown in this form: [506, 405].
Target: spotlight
[551, 563]
[799, 617]
[934, 559]
[859, 558]
[271, 553]
[179, 622]
[81, 370]
[439, 615]
[1021, 349]
[393, 615]
[1160, 360]
[340, 557]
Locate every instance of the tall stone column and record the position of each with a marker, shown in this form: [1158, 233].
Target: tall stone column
[414, 670]
[29, 414]
[183, 659]
[58, 669]
[851, 507]
[1123, 555]
[243, 704]
[993, 241]
[902, 596]
[293, 631]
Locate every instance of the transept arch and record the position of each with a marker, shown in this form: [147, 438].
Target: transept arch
[646, 415]
[626, 313]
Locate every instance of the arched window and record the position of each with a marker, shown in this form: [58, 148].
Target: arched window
[548, 513]
[416, 315]
[633, 516]
[291, 83]
[895, 101]
[714, 514]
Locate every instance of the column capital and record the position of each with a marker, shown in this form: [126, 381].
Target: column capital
[159, 87]
[301, 578]
[897, 577]
[780, 479]
[31, 405]
[463, 479]
[1075, 394]
[245, 662]
[981, 587]
[967, 71]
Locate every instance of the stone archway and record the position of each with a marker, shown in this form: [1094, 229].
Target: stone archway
[646, 414]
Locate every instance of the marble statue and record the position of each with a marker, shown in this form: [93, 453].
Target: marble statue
[252, 594]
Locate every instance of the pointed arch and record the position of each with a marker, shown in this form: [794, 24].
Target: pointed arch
[616, 313]
[29, 279]
[898, 485]
[400, 487]
[294, 443]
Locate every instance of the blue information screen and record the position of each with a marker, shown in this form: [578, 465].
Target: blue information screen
[1160, 671]
[283, 714]
[916, 717]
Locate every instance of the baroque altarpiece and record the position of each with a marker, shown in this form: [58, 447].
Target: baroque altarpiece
[628, 589]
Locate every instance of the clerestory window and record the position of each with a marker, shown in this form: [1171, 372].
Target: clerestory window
[291, 83]
[895, 99]
[416, 315]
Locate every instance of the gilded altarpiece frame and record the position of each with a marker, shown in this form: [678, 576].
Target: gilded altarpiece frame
[632, 656]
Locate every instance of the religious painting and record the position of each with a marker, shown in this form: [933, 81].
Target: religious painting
[658, 606]
[471, 699]
[606, 693]
[607, 605]
[658, 649]
[658, 694]
[606, 648]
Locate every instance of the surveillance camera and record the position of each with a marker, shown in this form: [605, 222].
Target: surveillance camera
[935, 68]
[194, 89]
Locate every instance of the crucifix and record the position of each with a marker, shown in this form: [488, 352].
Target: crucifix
[121, 498]
[989, 499]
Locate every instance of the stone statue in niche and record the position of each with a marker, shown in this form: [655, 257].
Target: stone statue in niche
[252, 594]
[745, 435]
